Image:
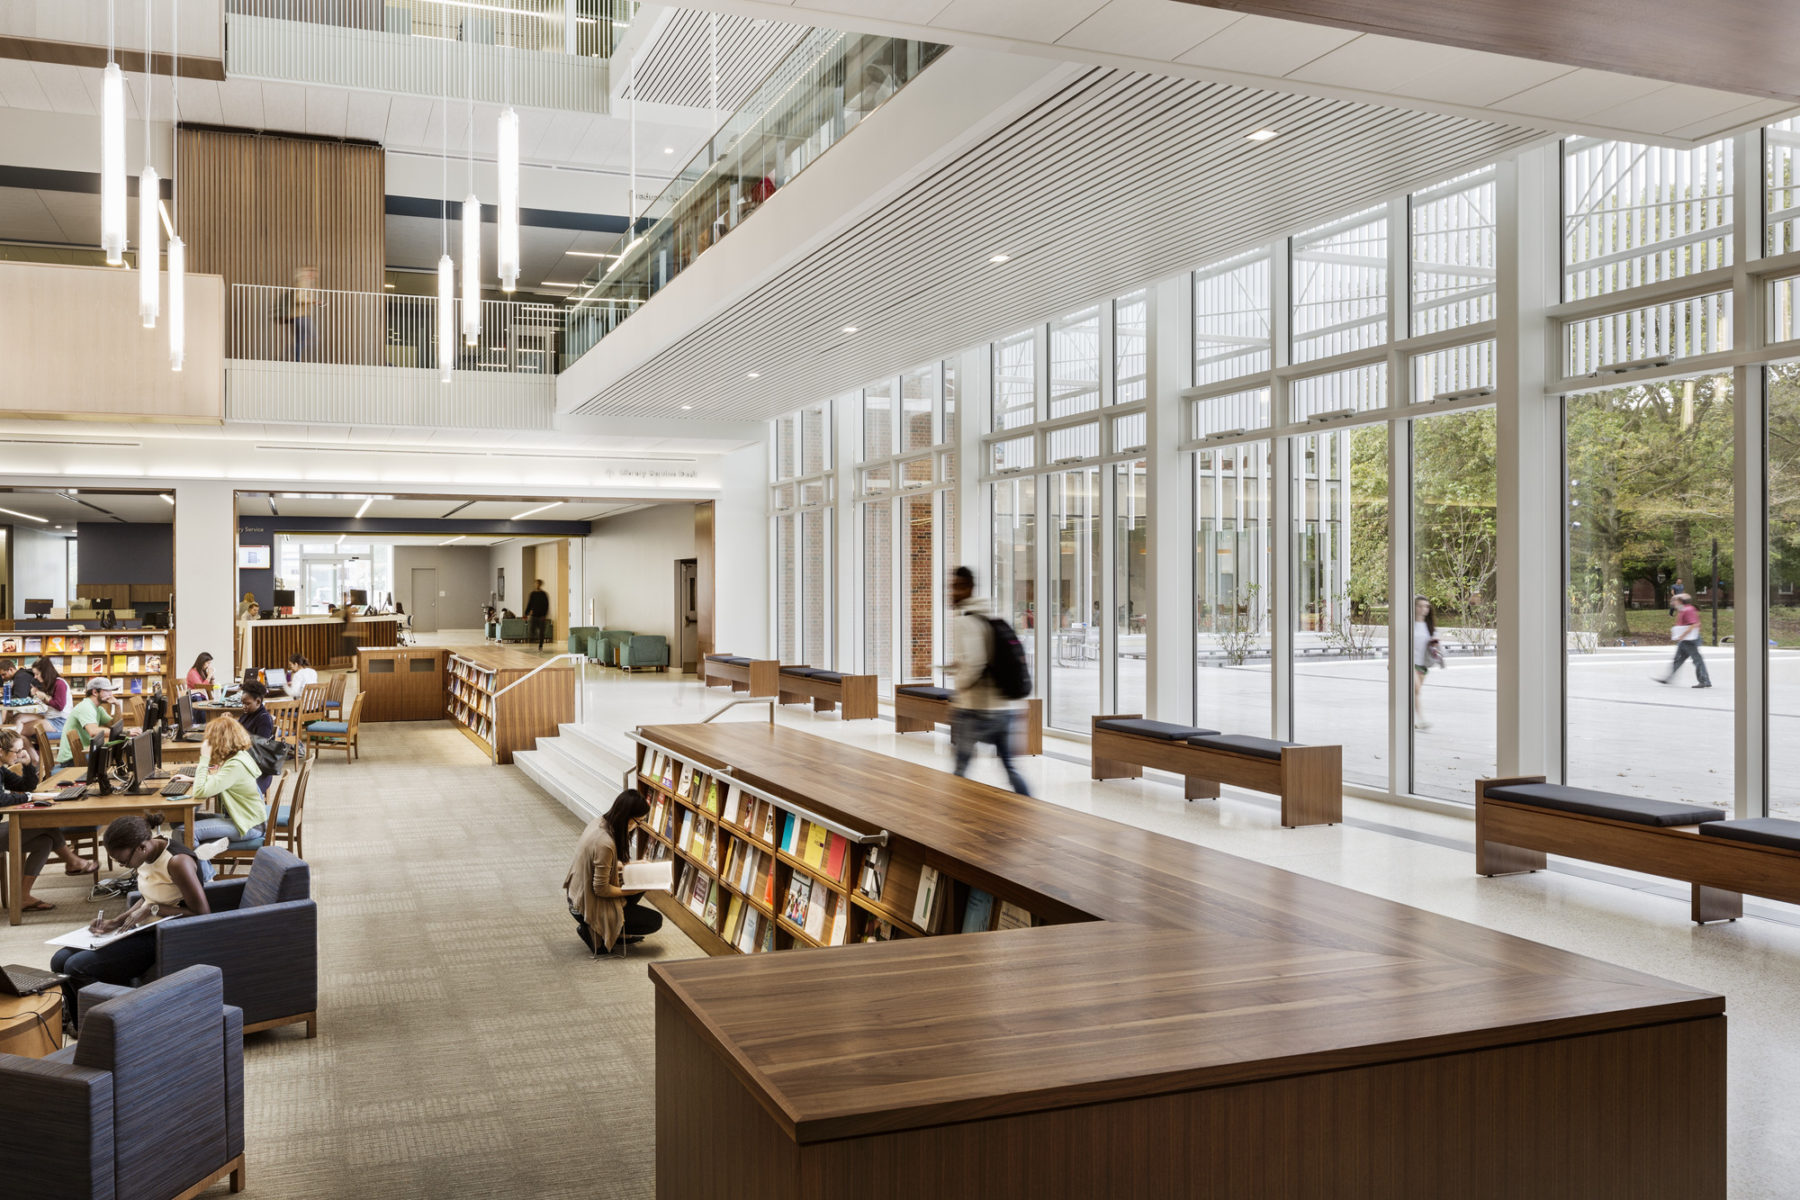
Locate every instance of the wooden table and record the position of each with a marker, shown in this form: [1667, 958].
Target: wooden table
[83, 813]
[1191, 1024]
[31, 1026]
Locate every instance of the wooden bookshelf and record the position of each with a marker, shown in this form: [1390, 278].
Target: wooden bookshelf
[754, 869]
[474, 679]
[133, 658]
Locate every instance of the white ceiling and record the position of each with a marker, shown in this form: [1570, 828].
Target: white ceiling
[1211, 43]
[675, 66]
[57, 509]
[347, 505]
[1120, 179]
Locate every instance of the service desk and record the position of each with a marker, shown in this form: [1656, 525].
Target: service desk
[272, 641]
[1187, 1024]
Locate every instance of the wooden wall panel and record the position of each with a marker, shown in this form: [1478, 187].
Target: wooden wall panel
[256, 207]
[704, 577]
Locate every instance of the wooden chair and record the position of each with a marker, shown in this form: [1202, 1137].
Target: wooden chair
[287, 726]
[334, 695]
[229, 860]
[338, 733]
[287, 830]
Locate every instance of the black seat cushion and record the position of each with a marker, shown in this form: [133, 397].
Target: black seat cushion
[736, 660]
[1590, 803]
[721, 658]
[923, 691]
[828, 676]
[803, 672]
[1155, 729]
[1764, 831]
[1240, 743]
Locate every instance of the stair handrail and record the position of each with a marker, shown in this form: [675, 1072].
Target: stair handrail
[731, 704]
[580, 683]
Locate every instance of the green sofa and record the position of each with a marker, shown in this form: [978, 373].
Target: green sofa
[607, 643]
[518, 629]
[581, 640]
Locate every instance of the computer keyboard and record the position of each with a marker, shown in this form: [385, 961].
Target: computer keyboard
[162, 774]
[177, 789]
[71, 793]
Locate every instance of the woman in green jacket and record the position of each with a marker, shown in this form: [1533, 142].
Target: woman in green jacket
[227, 772]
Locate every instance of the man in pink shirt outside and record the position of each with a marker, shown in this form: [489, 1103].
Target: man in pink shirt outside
[1687, 642]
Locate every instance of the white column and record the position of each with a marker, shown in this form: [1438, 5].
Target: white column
[1400, 539]
[974, 406]
[1169, 647]
[846, 446]
[1283, 529]
[1750, 651]
[205, 615]
[1532, 533]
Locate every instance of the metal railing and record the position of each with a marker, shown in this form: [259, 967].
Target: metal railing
[811, 100]
[589, 28]
[316, 325]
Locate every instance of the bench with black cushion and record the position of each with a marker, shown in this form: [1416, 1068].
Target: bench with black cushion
[854, 696]
[1308, 779]
[922, 707]
[754, 676]
[1520, 821]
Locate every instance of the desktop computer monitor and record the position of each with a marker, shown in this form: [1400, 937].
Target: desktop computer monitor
[100, 602]
[143, 761]
[99, 768]
[39, 608]
[284, 598]
[359, 597]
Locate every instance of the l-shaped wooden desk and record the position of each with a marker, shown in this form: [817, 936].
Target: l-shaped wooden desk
[1192, 1025]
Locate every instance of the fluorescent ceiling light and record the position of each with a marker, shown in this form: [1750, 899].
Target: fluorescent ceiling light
[341, 538]
[387, 285]
[15, 513]
[166, 498]
[1263, 135]
[1000, 258]
[557, 283]
[459, 537]
[534, 511]
[588, 254]
[849, 329]
[686, 407]
[365, 507]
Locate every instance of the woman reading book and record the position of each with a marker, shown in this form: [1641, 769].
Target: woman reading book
[603, 910]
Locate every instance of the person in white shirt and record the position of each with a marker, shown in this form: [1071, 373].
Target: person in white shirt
[978, 712]
[300, 675]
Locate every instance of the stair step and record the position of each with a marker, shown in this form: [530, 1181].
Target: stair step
[571, 793]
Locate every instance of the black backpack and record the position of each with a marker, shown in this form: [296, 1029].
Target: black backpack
[1007, 666]
[269, 754]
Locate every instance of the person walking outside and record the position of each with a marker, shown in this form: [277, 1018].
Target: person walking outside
[1686, 635]
[979, 712]
[537, 611]
[1427, 652]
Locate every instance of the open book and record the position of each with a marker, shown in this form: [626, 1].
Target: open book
[649, 876]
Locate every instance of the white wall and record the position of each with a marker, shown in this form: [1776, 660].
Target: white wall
[40, 567]
[631, 568]
[463, 582]
[741, 554]
[206, 574]
[509, 555]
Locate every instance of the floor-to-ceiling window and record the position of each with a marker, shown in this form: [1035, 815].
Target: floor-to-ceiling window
[1072, 596]
[1782, 382]
[1234, 588]
[801, 536]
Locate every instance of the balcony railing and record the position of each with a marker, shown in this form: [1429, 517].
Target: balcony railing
[589, 28]
[314, 325]
[808, 103]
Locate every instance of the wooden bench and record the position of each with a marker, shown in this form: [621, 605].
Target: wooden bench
[1518, 821]
[854, 696]
[1308, 779]
[755, 676]
[922, 707]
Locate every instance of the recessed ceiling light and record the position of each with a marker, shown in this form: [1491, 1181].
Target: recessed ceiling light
[753, 375]
[849, 329]
[531, 512]
[1264, 135]
[386, 285]
[686, 407]
[1000, 258]
[668, 149]
[14, 513]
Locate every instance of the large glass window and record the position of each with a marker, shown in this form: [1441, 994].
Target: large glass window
[1131, 584]
[1075, 363]
[814, 564]
[921, 585]
[878, 592]
[1014, 507]
[1650, 516]
[800, 537]
[1131, 360]
[918, 393]
[1455, 568]
[1340, 298]
[878, 420]
[787, 591]
[1784, 590]
[1340, 546]
[1454, 253]
[1015, 381]
[1634, 215]
[1233, 588]
[1074, 597]
[1232, 319]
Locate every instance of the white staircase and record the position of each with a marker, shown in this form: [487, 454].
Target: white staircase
[581, 766]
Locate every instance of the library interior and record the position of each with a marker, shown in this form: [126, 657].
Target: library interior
[1184, 570]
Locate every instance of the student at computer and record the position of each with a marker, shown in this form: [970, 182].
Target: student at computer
[18, 779]
[227, 773]
[200, 676]
[602, 909]
[171, 879]
[52, 691]
[95, 717]
[300, 675]
[17, 684]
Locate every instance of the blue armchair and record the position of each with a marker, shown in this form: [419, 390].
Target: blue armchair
[148, 1104]
[644, 652]
[263, 934]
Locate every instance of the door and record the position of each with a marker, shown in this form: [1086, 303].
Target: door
[323, 586]
[687, 615]
[424, 608]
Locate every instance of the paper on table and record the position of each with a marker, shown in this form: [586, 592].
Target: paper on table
[649, 876]
[81, 939]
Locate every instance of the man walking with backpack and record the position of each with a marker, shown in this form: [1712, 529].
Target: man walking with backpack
[990, 677]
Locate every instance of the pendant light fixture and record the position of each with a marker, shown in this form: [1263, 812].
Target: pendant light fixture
[446, 302]
[507, 147]
[149, 195]
[177, 248]
[112, 153]
[471, 224]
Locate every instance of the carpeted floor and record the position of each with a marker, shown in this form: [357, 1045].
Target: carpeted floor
[468, 1044]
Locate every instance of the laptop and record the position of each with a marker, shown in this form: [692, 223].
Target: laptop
[26, 981]
[276, 678]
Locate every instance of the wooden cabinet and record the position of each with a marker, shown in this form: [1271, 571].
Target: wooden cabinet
[401, 684]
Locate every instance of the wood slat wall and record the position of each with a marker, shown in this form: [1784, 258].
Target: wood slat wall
[256, 207]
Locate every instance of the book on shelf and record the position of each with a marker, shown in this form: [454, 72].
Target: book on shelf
[769, 823]
[134, 665]
[121, 643]
[877, 930]
[696, 900]
[714, 851]
[926, 900]
[685, 883]
[818, 914]
[686, 780]
[153, 663]
[1013, 917]
[10, 645]
[119, 661]
[734, 919]
[137, 685]
[798, 894]
[697, 847]
[874, 872]
[766, 879]
[790, 828]
[815, 845]
[53, 645]
[768, 935]
[157, 642]
[687, 828]
[137, 641]
[33, 645]
[668, 775]
[710, 914]
[712, 794]
[733, 798]
[837, 850]
[746, 939]
[978, 911]
[97, 665]
[840, 923]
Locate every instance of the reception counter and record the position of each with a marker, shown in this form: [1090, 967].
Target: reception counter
[272, 641]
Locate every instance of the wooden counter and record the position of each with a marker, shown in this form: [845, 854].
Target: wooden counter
[1217, 1028]
[273, 641]
[401, 683]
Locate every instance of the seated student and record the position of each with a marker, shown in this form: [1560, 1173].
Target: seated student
[200, 677]
[18, 779]
[93, 719]
[227, 770]
[16, 686]
[171, 879]
[602, 909]
[257, 721]
[300, 675]
[52, 691]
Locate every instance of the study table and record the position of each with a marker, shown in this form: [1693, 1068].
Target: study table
[88, 812]
[1187, 1024]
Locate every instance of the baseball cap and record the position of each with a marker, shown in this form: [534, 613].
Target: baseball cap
[101, 684]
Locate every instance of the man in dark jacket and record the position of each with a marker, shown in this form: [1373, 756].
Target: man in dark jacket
[257, 721]
[537, 611]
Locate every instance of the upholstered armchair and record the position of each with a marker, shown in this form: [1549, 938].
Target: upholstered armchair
[611, 642]
[645, 651]
[518, 629]
[263, 934]
[149, 1103]
[581, 638]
